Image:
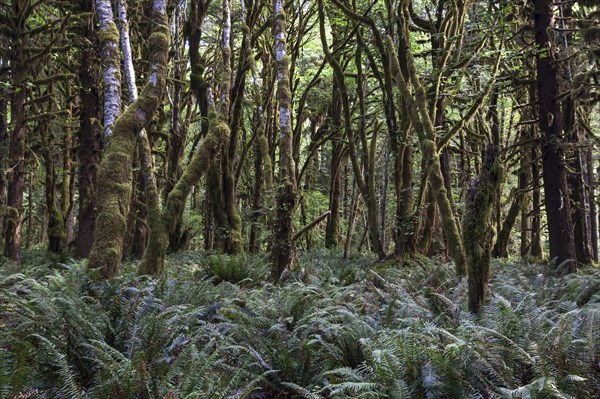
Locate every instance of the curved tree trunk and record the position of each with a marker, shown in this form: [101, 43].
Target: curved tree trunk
[115, 174]
[218, 131]
[418, 112]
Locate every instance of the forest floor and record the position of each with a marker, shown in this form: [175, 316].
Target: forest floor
[212, 327]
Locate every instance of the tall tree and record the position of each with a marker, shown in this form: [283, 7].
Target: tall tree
[556, 191]
[283, 247]
[90, 137]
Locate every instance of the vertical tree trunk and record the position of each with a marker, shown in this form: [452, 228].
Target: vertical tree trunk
[4, 137]
[234, 242]
[283, 247]
[575, 182]
[537, 250]
[90, 141]
[67, 186]
[524, 184]
[263, 178]
[478, 233]
[406, 216]
[13, 217]
[558, 207]
[56, 233]
[217, 132]
[152, 263]
[335, 188]
[419, 115]
[592, 201]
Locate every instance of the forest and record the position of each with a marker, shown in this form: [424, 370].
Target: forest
[299, 199]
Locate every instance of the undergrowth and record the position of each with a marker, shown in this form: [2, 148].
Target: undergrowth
[212, 327]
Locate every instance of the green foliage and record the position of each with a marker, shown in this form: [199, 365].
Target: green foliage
[236, 269]
[335, 328]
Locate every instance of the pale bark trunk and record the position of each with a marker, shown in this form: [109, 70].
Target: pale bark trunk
[111, 76]
[283, 248]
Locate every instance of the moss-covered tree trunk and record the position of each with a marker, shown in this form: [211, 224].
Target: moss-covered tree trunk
[199, 89]
[56, 232]
[3, 150]
[156, 233]
[537, 250]
[478, 231]
[524, 183]
[115, 174]
[418, 112]
[591, 183]
[233, 239]
[283, 245]
[13, 218]
[179, 123]
[364, 173]
[263, 177]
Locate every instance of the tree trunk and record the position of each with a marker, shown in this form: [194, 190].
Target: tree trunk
[575, 180]
[263, 178]
[90, 141]
[537, 250]
[283, 248]
[13, 217]
[501, 247]
[558, 207]
[115, 174]
[332, 230]
[478, 233]
[4, 138]
[218, 131]
[56, 232]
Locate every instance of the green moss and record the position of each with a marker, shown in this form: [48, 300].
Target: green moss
[158, 44]
[11, 219]
[57, 234]
[109, 35]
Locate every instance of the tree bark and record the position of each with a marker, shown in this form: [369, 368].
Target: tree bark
[13, 217]
[115, 174]
[335, 187]
[4, 138]
[90, 140]
[478, 233]
[575, 181]
[419, 114]
[283, 248]
[557, 201]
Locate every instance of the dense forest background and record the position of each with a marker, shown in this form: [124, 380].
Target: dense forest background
[403, 145]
